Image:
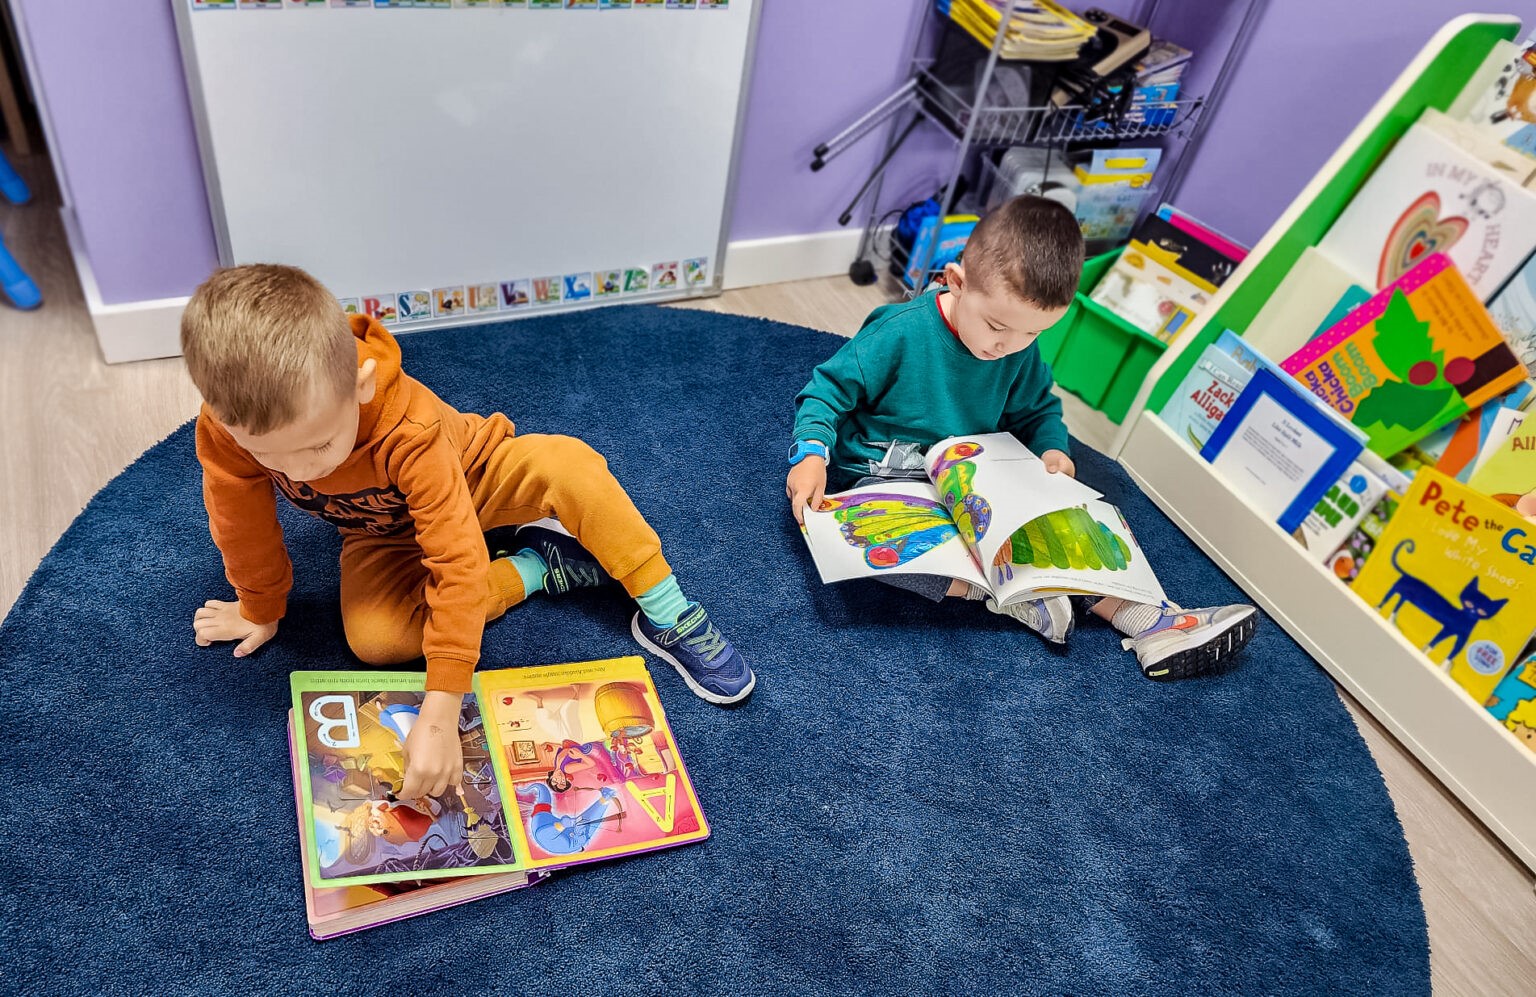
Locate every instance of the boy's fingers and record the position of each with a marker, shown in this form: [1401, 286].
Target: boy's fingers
[250, 644]
[818, 497]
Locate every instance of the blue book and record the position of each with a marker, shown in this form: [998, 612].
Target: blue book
[1281, 448]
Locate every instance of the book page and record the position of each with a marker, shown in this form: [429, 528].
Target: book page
[351, 731]
[1086, 549]
[587, 761]
[992, 485]
[895, 527]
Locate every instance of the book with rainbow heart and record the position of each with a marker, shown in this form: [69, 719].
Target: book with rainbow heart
[563, 764]
[1420, 353]
[1430, 195]
[987, 512]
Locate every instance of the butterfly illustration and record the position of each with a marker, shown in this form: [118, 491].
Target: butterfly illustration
[1067, 538]
[891, 529]
[952, 474]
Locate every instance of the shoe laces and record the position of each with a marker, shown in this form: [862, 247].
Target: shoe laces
[708, 644]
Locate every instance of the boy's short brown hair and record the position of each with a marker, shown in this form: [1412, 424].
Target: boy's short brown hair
[259, 339]
[1031, 248]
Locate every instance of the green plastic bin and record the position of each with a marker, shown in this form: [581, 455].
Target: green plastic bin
[1096, 354]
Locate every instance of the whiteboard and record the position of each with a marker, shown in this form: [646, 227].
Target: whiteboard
[399, 154]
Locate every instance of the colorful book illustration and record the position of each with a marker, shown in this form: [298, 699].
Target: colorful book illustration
[989, 514]
[1419, 354]
[1431, 196]
[1513, 702]
[1350, 558]
[333, 911]
[563, 764]
[1167, 274]
[1455, 571]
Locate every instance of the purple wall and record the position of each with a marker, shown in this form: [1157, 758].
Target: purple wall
[112, 80]
[1312, 70]
[819, 67]
[111, 74]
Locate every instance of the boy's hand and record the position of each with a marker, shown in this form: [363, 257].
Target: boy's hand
[220, 621]
[434, 758]
[1059, 463]
[807, 484]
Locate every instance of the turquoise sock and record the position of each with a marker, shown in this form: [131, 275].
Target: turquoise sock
[531, 569]
[663, 602]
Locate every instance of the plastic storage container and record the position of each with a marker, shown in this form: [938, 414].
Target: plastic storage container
[1094, 353]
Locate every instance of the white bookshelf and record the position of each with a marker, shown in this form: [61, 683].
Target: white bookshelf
[1452, 735]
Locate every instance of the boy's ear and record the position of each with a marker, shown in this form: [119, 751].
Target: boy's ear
[954, 276]
[367, 380]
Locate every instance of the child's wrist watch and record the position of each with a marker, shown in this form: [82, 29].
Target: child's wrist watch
[805, 448]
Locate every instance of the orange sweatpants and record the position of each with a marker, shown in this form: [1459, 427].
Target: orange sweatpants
[526, 478]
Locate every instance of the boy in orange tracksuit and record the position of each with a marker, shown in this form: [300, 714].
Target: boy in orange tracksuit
[299, 398]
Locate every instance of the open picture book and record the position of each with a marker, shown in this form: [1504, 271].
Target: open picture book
[989, 514]
[563, 764]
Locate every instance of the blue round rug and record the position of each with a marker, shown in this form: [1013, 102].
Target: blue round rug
[918, 799]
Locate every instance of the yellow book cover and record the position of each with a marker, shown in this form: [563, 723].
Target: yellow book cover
[1455, 571]
[1509, 473]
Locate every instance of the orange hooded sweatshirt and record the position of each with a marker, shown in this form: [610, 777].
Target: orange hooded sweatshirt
[406, 474]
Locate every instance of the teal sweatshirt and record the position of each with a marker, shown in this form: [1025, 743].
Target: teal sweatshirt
[906, 378]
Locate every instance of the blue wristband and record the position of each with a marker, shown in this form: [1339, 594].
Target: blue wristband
[805, 448]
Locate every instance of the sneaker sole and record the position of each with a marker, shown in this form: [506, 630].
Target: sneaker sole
[1217, 655]
[698, 690]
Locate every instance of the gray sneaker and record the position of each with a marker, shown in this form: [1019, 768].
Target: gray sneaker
[1187, 643]
[1051, 617]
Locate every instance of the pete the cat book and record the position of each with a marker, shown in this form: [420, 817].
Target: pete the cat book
[1455, 571]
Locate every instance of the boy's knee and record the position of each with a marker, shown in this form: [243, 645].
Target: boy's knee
[377, 639]
[567, 454]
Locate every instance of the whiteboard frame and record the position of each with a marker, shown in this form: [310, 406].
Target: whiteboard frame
[182, 12]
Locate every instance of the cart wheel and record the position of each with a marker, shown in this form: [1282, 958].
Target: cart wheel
[862, 273]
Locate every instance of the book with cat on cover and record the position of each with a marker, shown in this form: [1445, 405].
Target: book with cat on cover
[333, 911]
[989, 513]
[1420, 353]
[563, 764]
[1455, 571]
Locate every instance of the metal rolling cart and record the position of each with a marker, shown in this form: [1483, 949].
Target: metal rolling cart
[986, 116]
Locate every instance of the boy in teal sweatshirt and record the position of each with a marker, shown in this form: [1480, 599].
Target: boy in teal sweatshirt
[959, 361]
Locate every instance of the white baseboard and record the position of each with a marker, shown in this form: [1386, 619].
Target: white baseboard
[147, 330]
[751, 262]
[136, 330]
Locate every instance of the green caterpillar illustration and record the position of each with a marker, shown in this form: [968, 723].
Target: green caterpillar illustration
[1068, 538]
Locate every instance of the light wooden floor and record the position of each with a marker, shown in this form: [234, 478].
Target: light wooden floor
[74, 422]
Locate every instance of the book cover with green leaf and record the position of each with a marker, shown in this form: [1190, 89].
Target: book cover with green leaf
[1421, 352]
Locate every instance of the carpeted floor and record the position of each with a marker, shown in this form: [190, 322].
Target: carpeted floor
[917, 799]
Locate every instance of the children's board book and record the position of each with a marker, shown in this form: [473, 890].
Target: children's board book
[1513, 308]
[989, 514]
[563, 764]
[333, 911]
[1280, 448]
[1431, 196]
[1211, 386]
[1455, 571]
[1350, 559]
[1339, 512]
[1513, 702]
[1419, 354]
[1509, 473]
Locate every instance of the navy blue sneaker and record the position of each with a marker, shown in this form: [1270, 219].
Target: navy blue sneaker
[709, 663]
[570, 565]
